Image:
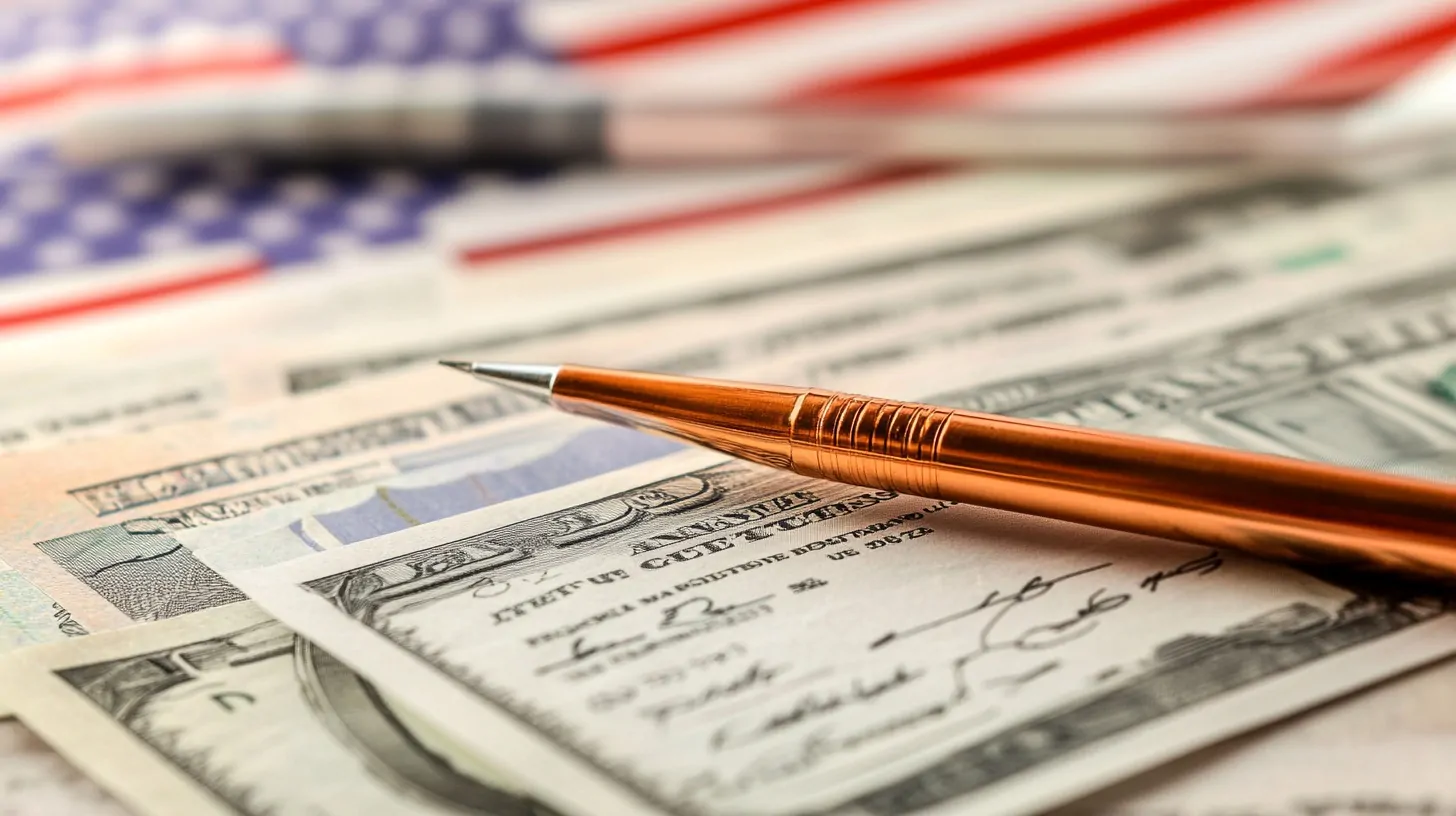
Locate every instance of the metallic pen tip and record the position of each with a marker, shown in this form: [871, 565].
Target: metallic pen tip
[531, 380]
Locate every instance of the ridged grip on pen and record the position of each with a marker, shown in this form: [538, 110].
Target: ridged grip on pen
[869, 441]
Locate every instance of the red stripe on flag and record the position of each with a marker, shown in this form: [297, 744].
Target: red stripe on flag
[1081, 35]
[1366, 70]
[130, 297]
[694, 217]
[704, 26]
[141, 76]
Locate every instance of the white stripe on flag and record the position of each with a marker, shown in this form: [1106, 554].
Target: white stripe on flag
[1222, 61]
[761, 63]
[30, 292]
[567, 23]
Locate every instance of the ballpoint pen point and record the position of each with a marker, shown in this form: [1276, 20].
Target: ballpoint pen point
[531, 380]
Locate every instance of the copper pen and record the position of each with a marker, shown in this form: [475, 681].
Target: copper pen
[1269, 506]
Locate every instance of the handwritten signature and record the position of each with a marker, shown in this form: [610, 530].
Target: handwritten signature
[702, 609]
[995, 636]
[813, 705]
[683, 619]
[1033, 589]
[757, 675]
[1207, 563]
[582, 651]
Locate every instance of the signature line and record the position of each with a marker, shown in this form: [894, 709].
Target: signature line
[991, 599]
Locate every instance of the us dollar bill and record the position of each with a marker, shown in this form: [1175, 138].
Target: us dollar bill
[1177, 271]
[34, 779]
[228, 712]
[519, 458]
[1379, 751]
[699, 636]
[1166, 241]
[1353, 378]
[1179, 387]
[96, 531]
[125, 372]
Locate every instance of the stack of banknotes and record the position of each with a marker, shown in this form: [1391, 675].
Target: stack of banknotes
[310, 572]
[259, 555]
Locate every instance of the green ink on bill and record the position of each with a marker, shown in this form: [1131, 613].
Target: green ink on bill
[1444, 386]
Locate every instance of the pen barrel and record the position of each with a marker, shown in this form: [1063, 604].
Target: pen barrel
[1270, 506]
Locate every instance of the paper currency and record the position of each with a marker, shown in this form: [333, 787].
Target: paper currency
[1381, 751]
[819, 352]
[92, 528]
[227, 712]
[1285, 769]
[899, 360]
[921, 267]
[1350, 377]
[994, 664]
[36, 780]
[1344, 377]
[168, 363]
[94, 531]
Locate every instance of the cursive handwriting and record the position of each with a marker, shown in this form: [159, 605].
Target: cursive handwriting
[812, 739]
[1055, 633]
[581, 651]
[813, 705]
[1033, 589]
[1210, 561]
[1037, 637]
[754, 677]
[1013, 682]
[811, 752]
[702, 609]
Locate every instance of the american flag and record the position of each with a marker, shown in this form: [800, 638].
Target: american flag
[1041, 55]
[75, 242]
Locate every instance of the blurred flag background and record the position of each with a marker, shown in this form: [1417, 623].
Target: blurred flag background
[77, 242]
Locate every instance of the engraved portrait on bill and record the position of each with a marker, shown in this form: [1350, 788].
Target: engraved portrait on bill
[243, 715]
[992, 664]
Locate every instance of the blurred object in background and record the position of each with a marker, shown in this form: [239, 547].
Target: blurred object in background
[1040, 55]
[657, 80]
[91, 242]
